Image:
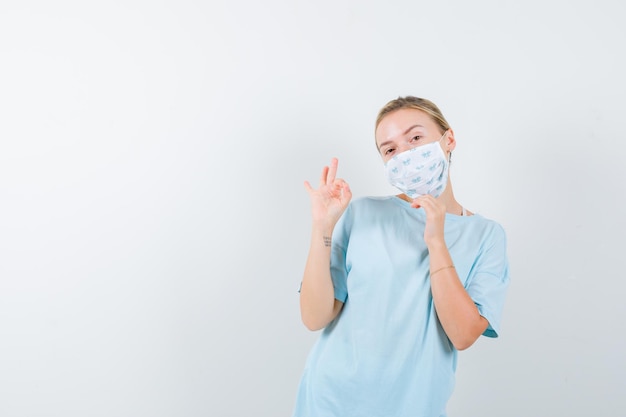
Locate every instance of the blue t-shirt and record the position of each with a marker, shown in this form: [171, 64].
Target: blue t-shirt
[386, 354]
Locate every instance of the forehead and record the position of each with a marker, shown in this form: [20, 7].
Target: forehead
[395, 124]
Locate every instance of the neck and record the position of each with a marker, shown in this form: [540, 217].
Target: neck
[447, 198]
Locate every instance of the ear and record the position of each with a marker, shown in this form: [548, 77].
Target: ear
[449, 142]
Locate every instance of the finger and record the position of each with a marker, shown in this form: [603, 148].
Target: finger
[430, 205]
[307, 187]
[341, 190]
[433, 202]
[332, 171]
[324, 176]
[418, 201]
[427, 202]
[338, 185]
[347, 193]
[425, 197]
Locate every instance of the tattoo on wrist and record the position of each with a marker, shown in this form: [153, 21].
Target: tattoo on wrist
[327, 241]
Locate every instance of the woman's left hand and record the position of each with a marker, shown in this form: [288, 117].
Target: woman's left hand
[435, 218]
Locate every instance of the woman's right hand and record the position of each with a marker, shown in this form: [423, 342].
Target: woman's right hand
[329, 201]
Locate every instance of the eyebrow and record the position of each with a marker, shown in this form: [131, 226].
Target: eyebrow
[403, 133]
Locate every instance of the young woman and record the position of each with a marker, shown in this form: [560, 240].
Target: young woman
[399, 283]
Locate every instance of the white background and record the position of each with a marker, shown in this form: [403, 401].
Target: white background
[154, 226]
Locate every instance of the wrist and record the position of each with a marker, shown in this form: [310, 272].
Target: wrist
[322, 234]
[443, 268]
[323, 229]
[436, 244]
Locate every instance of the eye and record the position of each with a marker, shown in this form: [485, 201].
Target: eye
[389, 151]
[415, 138]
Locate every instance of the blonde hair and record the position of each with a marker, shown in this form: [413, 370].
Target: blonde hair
[410, 102]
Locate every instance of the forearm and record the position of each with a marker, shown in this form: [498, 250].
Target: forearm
[455, 309]
[317, 295]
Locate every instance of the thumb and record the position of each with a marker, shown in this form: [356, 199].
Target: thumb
[347, 193]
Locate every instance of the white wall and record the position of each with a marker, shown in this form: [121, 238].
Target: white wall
[154, 226]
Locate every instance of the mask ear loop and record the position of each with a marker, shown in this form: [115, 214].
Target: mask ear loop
[450, 154]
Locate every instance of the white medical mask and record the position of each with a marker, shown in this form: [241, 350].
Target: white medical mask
[419, 171]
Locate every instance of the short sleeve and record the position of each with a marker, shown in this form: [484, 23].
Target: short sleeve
[338, 262]
[490, 280]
